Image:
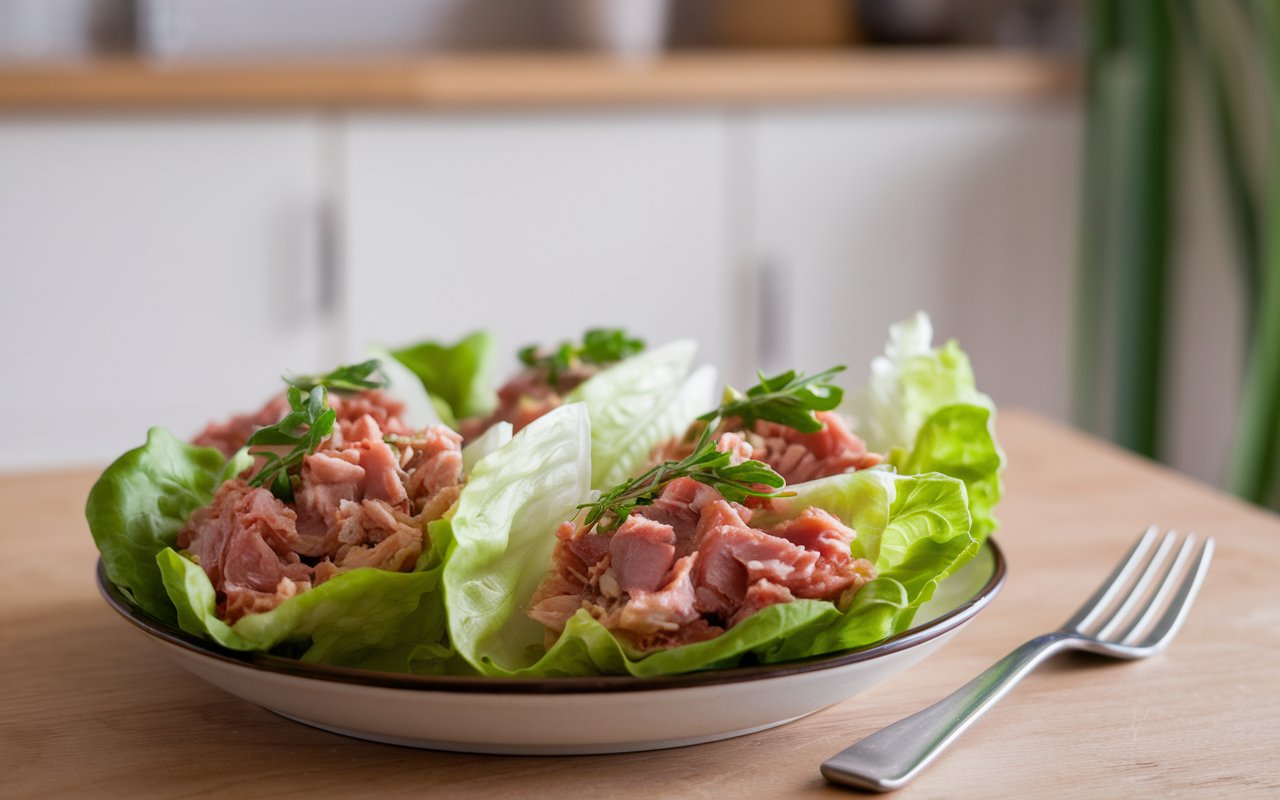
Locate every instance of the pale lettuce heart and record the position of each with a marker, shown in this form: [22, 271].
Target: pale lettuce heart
[638, 403]
[496, 437]
[502, 533]
[923, 410]
[909, 383]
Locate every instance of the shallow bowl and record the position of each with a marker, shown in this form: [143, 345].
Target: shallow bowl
[562, 716]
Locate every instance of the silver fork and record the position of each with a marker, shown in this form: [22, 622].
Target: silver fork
[1127, 617]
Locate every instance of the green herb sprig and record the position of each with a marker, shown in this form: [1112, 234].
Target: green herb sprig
[790, 399]
[706, 465]
[308, 422]
[344, 380]
[600, 347]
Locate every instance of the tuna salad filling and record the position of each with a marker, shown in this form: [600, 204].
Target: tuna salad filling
[551, 374]
[526, 397]
[228, 437]
[362, 498]
[690, 566]
[796, 456]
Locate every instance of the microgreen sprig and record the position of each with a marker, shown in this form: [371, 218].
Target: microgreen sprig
[790, 399]
[344, 380]
[308, 422]
[706, 465]
[600, 347]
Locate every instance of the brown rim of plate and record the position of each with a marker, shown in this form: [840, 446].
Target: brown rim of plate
[588, 685]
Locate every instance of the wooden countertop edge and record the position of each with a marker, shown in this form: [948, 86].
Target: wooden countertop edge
[731, 79]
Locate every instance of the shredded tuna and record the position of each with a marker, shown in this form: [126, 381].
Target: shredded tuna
[385, 411]
[690, 566]
[526, 397]
[801, 457]
[362, 499]
[796, 456]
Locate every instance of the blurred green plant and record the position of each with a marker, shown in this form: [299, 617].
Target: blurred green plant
[1228, 49]
[1125, 219]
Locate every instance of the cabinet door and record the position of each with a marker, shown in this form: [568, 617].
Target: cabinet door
[865, 215]
[537, 226]
[157, 271]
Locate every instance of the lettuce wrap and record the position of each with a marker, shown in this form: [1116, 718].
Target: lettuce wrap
[914, 529]
[362, 617]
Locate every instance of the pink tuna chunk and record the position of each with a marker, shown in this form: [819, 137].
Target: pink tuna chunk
[801, 457]
[363, 469]
[243, 542]
[760, 594]
[641, 552]
[816, 529]
[732, 556]
[667, 608]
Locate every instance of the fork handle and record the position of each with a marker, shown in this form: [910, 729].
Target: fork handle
[891, 757]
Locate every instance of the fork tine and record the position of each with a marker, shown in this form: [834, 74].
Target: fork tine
[1157, 602]
[1112, 585]
[1168, 626]
[1139, 588]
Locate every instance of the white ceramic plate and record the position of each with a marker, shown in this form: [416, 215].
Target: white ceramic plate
[562, 716]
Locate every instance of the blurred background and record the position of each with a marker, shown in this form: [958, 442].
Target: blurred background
[199, 195]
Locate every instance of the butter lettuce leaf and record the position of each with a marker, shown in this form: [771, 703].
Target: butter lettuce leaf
[959, 441]
[346, 619]
[923, 409]
[638, 403]
[138, 505]
[458, 377]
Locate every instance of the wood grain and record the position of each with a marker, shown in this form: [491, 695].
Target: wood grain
[540, 80]
[91, 707]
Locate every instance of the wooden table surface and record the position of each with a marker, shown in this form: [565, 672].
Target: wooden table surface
[91, 708]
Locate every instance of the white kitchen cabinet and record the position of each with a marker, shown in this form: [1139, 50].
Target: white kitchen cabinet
[861, 215]
[537, 226]
[157, 271]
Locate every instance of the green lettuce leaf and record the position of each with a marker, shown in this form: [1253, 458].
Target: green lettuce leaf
[459, 378]
[915, 529]
[925, 537]
[922, 408]
[959, 441]
[638, 403]
[346, 619]
[142, 500]
[502, 532]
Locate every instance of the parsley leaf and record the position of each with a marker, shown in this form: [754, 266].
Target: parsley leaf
[790, 399]
[706, 465]
[600, 347]
[344, 380]
[308, 422]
